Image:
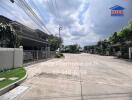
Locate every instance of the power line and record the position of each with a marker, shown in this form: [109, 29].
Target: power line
[54, 9]
[57, 9]
[28, 10]
[28, 14]
[7, 10]
[32, 12]
[36, 8]
[25, 4]
[39, 18]
[51, 8]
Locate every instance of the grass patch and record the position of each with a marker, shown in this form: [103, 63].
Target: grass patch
[17, 72]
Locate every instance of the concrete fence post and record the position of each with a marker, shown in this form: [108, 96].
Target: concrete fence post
[13, 57]
[21, 47]
[130, 53]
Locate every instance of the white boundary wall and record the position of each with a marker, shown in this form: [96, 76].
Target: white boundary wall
[10, 58]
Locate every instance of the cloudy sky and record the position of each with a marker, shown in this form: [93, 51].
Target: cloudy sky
[84, 21]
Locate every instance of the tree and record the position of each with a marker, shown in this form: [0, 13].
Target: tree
[114, 38]
[54, 42]
[8, 38]
[118, 40]
[130, 23]
[72, 48]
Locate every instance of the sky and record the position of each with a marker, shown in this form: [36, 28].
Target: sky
[84, 22]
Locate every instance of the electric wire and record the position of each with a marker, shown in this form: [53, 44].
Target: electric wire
[40, 22]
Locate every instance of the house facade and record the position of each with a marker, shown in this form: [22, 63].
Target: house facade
[30, 39]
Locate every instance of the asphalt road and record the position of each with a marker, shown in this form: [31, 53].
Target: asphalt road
[79, 77]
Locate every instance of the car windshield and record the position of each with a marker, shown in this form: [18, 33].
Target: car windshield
[65, 49]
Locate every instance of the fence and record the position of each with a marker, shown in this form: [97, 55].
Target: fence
[14, 57]
[10, 58]
[33, 55]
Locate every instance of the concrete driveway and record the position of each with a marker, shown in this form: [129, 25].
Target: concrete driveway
[79, 77]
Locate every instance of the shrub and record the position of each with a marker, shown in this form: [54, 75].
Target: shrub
[59, 55]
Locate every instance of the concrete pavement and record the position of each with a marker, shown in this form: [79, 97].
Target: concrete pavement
[79, 77]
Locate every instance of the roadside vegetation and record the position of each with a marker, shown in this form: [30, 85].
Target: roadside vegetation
[54, 42]
[8, 38]
[59, 55]
[11, 76]
[71, 49]
[117, 44]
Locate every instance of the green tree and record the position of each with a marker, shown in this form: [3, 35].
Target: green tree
[54, 42]
[72, 48]
[130, 23]
[8, 38]
[114, 38]
[123, 39]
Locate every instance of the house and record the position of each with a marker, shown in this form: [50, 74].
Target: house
[117, 10]
[30, 39]
[123, 50]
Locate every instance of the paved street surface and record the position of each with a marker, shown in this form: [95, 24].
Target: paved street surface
[79, 77]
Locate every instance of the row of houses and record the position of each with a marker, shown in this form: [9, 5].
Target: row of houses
[31, 39]
[119, 50]
[34, 41]
[123, 50]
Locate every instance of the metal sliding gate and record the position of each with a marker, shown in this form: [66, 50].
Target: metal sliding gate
[33, 55]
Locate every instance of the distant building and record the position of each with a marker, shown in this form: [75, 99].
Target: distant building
[117, 11]
[30, 39]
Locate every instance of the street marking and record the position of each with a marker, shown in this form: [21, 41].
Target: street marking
[2, 79]
[13, 78]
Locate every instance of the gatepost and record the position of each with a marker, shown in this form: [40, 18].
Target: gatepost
[130, 53]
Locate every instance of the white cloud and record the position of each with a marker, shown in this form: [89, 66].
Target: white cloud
[84, 21]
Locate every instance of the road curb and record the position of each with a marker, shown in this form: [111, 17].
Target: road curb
[13, 85]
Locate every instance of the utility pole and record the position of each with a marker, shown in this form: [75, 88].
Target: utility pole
[60, 28]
